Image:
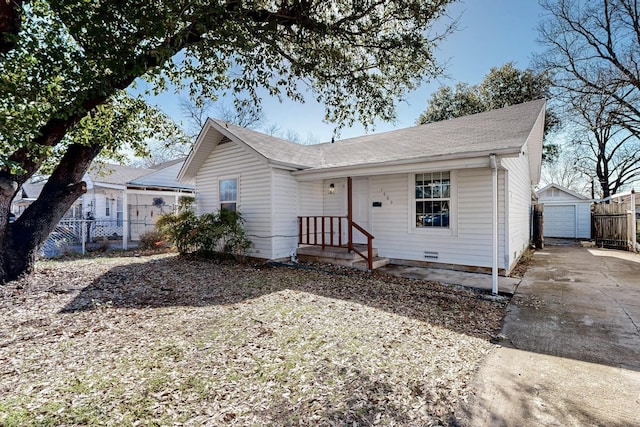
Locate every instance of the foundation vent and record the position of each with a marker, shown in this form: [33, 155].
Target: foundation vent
[430, 255]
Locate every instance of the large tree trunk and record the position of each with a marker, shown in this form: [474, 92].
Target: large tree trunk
[20, 241]
[9, 23]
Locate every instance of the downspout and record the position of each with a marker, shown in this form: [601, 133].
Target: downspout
[634, 230]
[125, 219]
[350, 213]
[494, 223]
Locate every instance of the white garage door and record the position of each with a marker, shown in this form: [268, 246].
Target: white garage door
[560, 221]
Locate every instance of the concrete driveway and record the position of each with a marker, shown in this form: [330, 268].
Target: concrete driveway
[570, 354]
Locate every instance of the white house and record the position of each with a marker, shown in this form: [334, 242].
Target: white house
[145, 192]
[29, 192]
[452, 193]
[566, 213]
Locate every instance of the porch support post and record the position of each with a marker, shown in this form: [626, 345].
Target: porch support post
[125, 219]
[350, 213]
[494, 224]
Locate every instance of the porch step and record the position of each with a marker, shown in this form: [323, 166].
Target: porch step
[340, 256]
[364, 266]
[329, 252]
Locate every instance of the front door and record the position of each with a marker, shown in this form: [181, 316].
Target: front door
[361, 211]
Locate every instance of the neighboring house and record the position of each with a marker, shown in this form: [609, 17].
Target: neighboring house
[154, 193]
[566, 213]
[29, 192]
[454, 193]
[146, 193]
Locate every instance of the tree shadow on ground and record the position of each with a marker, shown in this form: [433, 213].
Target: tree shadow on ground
[187, 281]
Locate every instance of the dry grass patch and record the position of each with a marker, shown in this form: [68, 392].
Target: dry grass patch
[164, 340]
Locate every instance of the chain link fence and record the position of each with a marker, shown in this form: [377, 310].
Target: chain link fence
[80, 235]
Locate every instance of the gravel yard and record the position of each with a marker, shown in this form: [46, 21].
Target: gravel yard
[169, 340]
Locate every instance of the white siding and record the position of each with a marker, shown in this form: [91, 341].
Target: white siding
[503, 219]
[285, 219]
[475, 222]
[519, 212]
[143, 214]
[556, 195]
[98, 198]
[583, 228]
[336, 203]
[467, 243]
[230, 160]
[310, 200]
[310, 203]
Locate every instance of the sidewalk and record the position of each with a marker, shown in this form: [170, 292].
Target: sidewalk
[506, 285]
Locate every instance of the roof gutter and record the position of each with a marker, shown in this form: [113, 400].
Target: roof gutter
[286, 165]
[507, 152]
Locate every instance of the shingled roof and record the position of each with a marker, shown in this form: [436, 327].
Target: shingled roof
[500, 131]
[116, 174]
[32, 190]
[497, 131]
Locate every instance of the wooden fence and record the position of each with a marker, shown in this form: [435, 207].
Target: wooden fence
[538, 226]
[612, 225]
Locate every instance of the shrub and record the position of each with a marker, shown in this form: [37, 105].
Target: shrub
[154, 239]
[210, 233]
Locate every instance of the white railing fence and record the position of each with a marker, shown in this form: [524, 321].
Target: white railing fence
[80, 235]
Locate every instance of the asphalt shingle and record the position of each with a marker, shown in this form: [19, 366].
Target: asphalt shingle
[505, 129]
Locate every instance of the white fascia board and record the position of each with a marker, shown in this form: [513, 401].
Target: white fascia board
[87, 179]
[235, 139]
[285, 166]
[183, 175]
[110, 186]
[160, 192]
[564, 190]
[565, 202]
[536, 174]
[404, 166]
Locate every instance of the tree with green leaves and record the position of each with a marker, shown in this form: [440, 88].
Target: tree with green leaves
[62, 61]
[501, 87]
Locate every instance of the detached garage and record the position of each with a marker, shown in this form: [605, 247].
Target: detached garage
[566, 213]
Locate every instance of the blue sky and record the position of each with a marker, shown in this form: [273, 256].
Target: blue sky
[491, 33]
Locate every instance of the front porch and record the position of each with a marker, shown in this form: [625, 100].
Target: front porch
[338, 239]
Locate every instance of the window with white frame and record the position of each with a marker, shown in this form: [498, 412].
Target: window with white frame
[119, 212]
[433, 199]
[229, 194]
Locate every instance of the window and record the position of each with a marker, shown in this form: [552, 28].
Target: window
[107, 211]
[433, 199]
[119, 213]
[228, 194]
